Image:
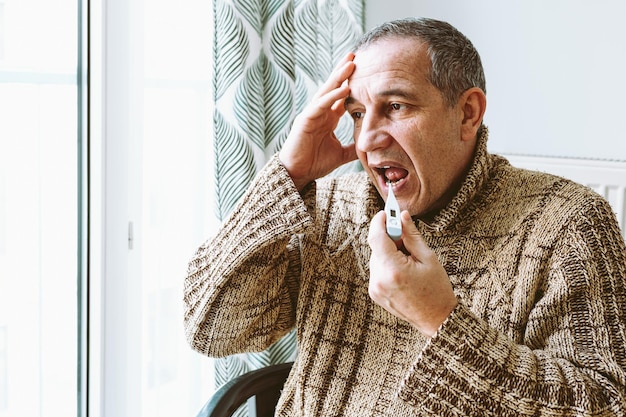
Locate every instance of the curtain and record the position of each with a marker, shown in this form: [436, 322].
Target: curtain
[270, 56]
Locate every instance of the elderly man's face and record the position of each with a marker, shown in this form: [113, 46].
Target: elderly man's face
[405, 133]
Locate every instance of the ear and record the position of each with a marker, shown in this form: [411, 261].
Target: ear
[473, 104]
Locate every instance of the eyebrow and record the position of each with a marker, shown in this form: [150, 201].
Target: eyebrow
[394, 92]
[348, 100]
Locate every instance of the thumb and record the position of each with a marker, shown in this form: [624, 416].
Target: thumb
[413, 241]
[349, 153]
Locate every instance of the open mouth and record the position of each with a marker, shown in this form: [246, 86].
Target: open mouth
[392, 175]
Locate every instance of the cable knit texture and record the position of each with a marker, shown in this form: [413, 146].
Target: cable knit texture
[537, 262]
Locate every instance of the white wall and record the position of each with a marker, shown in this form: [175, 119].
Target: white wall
[556, 70]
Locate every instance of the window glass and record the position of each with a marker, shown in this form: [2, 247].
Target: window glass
[176, 203]
[38, 208]
[157, 202]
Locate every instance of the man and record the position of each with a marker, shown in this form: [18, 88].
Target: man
[505, 296]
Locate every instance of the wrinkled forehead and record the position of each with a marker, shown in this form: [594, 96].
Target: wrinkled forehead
[391, 59]
[389, 52]
[410, 43]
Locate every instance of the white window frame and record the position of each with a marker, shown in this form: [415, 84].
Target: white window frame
[114, 299]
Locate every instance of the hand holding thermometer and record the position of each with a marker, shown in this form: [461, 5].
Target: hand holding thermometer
[392, 210]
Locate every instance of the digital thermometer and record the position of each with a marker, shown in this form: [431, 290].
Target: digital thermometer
[392, 209]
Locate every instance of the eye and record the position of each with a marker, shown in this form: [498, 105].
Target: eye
[356, 115]
[396, 106]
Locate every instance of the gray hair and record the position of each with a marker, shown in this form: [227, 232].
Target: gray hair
[455, 63]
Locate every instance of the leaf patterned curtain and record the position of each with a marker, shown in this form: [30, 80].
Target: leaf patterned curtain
[270, 56]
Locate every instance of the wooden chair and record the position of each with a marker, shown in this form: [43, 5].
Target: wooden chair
[260, 389]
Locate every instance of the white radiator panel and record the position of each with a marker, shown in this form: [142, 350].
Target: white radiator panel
[607, 178]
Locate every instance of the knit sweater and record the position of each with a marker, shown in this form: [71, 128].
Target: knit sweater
[537, 263]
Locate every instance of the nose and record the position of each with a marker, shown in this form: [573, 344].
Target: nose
[371, 134]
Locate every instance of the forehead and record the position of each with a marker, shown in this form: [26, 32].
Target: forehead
[395, 63]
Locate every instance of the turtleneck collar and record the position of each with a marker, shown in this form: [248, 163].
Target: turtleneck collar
[454, 214]
[474, 181]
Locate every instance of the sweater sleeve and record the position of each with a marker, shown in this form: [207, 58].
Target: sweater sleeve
[241, 286]
[572, 361]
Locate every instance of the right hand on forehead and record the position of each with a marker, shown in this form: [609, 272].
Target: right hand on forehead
[312, 150]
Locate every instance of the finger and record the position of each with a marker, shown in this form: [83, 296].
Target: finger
[337, 77]
[332, 100]
[338, 106]
[377, 237]
[413, 241]
[346, 58]
[349, 153]
[345, 62]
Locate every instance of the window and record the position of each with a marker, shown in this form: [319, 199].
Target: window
[151, 179]
[149, 205]
[38, 208]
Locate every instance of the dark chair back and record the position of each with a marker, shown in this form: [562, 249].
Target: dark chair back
[263, 384]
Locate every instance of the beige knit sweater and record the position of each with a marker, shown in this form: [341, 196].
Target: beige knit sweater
[537, 262]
